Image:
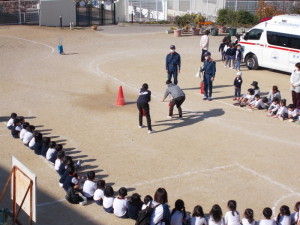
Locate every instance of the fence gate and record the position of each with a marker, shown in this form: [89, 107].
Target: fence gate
[19, 12]
[94, 13]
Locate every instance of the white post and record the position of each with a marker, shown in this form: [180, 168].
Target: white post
[20, 17]
[235, 5]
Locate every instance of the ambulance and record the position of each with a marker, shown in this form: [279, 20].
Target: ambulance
[274, 43]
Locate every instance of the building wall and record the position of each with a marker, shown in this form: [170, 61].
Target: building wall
[51, 10]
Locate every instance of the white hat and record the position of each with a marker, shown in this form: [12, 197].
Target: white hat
[239, 73]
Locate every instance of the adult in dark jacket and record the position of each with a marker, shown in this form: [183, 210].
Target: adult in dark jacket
[143, 106]
[209, 70]
[173, 64]
[178, 98]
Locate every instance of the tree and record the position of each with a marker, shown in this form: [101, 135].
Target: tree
[267, 10]
[245, 17]
[222, 16]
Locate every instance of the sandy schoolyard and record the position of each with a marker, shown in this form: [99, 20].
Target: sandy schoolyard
[216, 153]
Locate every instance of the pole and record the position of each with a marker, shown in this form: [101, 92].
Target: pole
[114, 13]
[207, 8]
[156, 10]
[20, 17]
[235, 5]
[102, 12]
[60, 21]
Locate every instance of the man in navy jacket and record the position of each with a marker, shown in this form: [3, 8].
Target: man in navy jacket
[209, 69]
[173, 64]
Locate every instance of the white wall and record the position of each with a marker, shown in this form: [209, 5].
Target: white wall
[51, 10]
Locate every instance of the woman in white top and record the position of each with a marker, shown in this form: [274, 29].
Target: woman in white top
[295, 85]
[215, 216]
[267, 212]
[232, 217]
[179, 215]
[198, 216]
[284, 217]
[161, 213]
[295, 216]
[248, 217]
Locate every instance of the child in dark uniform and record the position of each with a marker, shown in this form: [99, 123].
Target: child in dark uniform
[143, 106]
[237, 86]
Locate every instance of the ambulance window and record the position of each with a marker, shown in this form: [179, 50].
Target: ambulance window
[254, 34]
[284, 40]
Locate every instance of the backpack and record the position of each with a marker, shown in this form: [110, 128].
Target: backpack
[145, 215]
[166, 215]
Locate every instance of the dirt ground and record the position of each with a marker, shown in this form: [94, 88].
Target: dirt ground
[216, 153]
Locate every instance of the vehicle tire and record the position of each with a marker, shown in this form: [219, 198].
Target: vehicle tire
[252, 62]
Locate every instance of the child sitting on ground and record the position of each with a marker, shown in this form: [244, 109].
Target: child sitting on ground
[10, 122]
[51, 150]
[237, 86]
[198, 217]
[120, 204]
[292, 113]
[147, 200]
[248, 217]
[99, 193]
[45, 146]
[24, 130]
[282, 112]
[73, 197]
[108, 199]
[58, 148]
[232, 217]
[15, 128]
[89, 186]
[267, 212]
[36, 142]
[247, 98]
[178, 214]
[134, 205]
[284, 216]
[28, 135]
[258, 103]
[59, 161]
[272, 110]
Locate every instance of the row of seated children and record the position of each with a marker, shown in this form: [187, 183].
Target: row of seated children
[272, 103]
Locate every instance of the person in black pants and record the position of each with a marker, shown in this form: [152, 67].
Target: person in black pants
[143, 106]
[178, 98]
[209, 70]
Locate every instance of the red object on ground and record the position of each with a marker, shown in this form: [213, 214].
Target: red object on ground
[120, 100]
[202, 88]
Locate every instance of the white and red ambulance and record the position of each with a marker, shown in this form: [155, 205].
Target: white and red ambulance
[273, 43]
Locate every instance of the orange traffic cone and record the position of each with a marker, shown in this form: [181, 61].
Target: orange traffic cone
[120, 100]
[202, 88]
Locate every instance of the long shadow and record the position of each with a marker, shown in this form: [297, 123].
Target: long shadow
[224, 97]
[215, 87]
[190, 119]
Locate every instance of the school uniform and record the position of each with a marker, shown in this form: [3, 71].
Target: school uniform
[44, 149]
[228, 53]
[159, 213]
[61, 170]
[283, 220]
[89, 188]
[294, 217]
[120, 207]
[177, 218]
[282, 112]
[238, 58]
[27, 137]
[69, 179]
[143, 104]
[22, 133]
[238, 86]
[198, 221]
[259, 104]
[98, 196]
[133, 209]
[14, 132]
[173, 64]
[293, 114]
[246, 222]
[232, 57]
[273, 108]
[209, 69]
[72, 197]
[53, 157]
[221, 50]
[232, 218]
[211, 221]
[178, 98]
[267, 222]
[108, 204]
[10, 123]
[50, 153]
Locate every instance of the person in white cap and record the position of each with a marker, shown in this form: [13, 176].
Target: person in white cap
[237, 86]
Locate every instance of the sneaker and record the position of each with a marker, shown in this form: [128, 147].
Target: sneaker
[225, 66]
[140, 126]
[169, 117]
[210, 99]
[150, 131]
[205, 98]
[78, 164]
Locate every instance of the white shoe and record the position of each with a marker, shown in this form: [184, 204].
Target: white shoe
[225, 66]
[231, 68]
[150, 131]
[140, 126]
[169, 117]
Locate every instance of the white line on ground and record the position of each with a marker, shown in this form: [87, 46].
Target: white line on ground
[35, 42]
[181, 175]
[50, 203]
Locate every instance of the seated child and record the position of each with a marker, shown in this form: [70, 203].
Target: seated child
[247, 98]
[282, 112]
[58, 148]
[59, 161]
[15, 128]
[258, 103]
[24, 130]
[71, 178]
[267, 212]
[51, 150]
[272, 110]
[28, 135]
[147, 200]
[89, 186]
[10, 122]
[99, 193]
[198, 217]
[134, 205]
[120, 204]
[108, 199]
[178, 214]
[36, 142]
[45, 146]
[248, 217]
[292, 113]
[22, 121]
[73, 197]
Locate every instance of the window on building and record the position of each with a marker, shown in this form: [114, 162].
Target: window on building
[284, 40]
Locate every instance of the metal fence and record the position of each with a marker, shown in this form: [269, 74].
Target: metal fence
[151, 10]
[19, 12]
[95, 14]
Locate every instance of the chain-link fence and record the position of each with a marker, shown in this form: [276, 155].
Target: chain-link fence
[149, 10]
[19, 12]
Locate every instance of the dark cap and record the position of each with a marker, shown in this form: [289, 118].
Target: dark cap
[207, 53]
[254, 83]
[172, 47]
